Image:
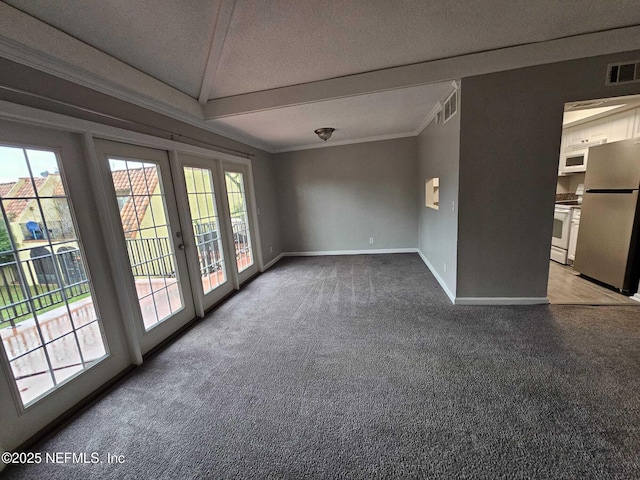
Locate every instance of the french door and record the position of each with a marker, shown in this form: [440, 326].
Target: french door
[60, 327]
[151, 235]
[106, 249]
[212, 271]
[239, 216]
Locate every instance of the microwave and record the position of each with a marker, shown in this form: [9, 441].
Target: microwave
[574, 158]
[575, 161]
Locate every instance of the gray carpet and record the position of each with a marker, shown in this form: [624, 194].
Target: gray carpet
[359, 367]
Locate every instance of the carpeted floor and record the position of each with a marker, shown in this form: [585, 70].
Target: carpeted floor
[359, 367]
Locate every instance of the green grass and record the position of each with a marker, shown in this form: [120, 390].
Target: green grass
[47, 303]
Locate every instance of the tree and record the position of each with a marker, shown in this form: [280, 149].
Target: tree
[5, 243]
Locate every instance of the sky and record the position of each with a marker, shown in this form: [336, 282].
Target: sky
[13, 163]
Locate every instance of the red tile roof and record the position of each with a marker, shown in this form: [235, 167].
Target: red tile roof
[58, 191]
[6, 188]
[22, 188]
[136, 184]
[137, 189]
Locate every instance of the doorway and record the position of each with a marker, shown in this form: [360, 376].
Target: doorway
[591, 129]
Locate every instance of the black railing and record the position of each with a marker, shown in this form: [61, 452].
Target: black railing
[208, 247]
[150, 257]
[40, 282]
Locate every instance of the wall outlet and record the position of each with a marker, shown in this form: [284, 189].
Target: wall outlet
[445, 267]
[453, 206]
[270, 249]
[371, 240]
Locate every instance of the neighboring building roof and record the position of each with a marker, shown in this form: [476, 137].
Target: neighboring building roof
[134, 184]
[138, 184]
[58, 191]
[6, 188]
[22, 190]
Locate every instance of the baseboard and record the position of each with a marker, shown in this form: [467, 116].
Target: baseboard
[350, 252]
[273, 262]
[502, 301]
[440, 280]
[636, 297]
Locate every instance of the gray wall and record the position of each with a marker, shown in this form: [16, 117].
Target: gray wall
[510, 141]
[61, 96]
[439, 154]
[335, 198]
[264, 180]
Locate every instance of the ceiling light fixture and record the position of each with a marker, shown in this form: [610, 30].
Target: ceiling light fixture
[324, 133]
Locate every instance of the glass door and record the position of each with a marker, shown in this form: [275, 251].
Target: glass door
[152, 237]
[197, 176]
[240, 220]
[60, 327]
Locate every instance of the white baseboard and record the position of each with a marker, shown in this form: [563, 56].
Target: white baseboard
[350, 252]
[636, 297]
[502, 301]
[440, 280]
[272, 262]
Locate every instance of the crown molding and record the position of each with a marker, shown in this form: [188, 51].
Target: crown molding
[427, 120]
[30, 57]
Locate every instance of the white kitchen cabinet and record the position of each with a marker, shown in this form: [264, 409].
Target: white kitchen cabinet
[573, 234]
[586, 133]
[612, 128]
[574, 136]
[621, 126]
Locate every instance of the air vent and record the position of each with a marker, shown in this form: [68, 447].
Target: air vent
[450, 106]
[627, 72]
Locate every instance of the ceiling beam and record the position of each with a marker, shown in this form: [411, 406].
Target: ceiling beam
[220, 29]
[579, 46]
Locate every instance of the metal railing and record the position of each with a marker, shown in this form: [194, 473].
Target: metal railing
[208, 244]
[37, 284]
[151, 257]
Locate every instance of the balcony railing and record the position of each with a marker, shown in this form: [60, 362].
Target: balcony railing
[41, 284]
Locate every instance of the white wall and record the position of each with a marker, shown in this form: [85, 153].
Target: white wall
[336, 198]
[439, 155]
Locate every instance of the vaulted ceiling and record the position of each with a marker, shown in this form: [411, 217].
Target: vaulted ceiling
[271, 71]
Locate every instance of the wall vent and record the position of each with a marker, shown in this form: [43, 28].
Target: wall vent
[624, 72]
[450, 106]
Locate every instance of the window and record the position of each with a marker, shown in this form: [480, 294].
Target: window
[48, 323]
[204, 215]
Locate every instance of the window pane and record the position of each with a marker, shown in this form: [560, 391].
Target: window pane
[145, 224]
[204, 216]
[239, 220]
[43, 278]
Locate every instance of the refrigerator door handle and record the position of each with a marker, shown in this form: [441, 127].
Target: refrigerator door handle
[610, 190]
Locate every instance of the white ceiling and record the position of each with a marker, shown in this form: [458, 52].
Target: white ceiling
[388, 114]
[287, 42]
[216, 49]
[169, 40]
[579, 111]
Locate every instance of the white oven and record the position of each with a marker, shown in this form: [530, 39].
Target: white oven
[561, 231]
